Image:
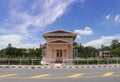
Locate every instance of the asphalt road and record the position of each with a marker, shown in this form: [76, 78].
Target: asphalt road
[60, 75]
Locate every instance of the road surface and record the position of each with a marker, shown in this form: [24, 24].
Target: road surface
[60, 75]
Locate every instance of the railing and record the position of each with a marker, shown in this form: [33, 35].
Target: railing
[20, 62]
[91, 61]
[97, 61]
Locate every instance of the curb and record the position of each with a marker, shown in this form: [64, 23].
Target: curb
[58, 67]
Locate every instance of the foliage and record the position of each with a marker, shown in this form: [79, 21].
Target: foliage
[106, 48]
[12, 52]
[116, 52]
[87, 51]
[82, 52]
[114, 43]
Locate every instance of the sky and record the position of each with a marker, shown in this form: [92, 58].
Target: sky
[22, 22]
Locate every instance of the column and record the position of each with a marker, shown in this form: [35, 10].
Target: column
[53, 55]
[62, 55]
[67, 54]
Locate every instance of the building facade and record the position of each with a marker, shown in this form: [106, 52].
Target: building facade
[58, 47]
[104, 53]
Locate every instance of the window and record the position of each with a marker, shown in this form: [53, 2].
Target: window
[60, 53]
[57, 54]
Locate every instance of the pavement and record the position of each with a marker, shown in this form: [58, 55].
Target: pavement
[60, 75]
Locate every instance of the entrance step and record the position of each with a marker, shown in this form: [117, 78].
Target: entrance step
[58, 64]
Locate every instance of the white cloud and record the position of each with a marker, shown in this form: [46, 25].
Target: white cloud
[16, 41]
[117, 18]
[38, 14]
[108, 17]
[52, 10]
[25, 20]
[78, 37]
[85, 31]
[4, 31]
[112, 19]
[104, 40]
[28, 45]
[10, 39]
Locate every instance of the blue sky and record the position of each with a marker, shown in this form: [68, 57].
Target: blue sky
[22, 22]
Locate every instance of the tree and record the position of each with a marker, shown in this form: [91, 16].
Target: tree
[86, 52]
[10, 52]
[34, 53]
[116, 52]
[19, 52]
[90, 51]
[80, 51]
[119, 44]
[38, 53]
[115, 48]
[106, 48]
[114, 43]
[75, 44]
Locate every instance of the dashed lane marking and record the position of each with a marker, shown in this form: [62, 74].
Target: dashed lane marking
[40, 76]
[7, 75]
[76, 75]
[59, 76]
[108, 74]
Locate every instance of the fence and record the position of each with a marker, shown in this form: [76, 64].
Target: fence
[93, 61]
[97, 61]
[20, 62]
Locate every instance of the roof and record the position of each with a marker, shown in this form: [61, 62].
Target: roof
[60, 33]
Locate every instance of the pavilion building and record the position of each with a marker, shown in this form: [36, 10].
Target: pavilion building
[59, 46]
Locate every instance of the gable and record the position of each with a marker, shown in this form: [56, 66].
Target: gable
[58, 41]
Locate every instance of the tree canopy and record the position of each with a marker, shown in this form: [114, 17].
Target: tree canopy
[82, 52]
[12, 52]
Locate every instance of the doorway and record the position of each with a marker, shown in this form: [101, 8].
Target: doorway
[59, 56]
